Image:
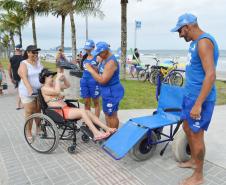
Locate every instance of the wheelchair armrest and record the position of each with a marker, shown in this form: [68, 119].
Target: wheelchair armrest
[70, 102]
[52, 108]
[172, 110]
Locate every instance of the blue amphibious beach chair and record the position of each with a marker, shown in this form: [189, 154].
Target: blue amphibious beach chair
[139, 136]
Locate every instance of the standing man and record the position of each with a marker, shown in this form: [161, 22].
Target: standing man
[12, 70]
[200, 91]
[112, 91]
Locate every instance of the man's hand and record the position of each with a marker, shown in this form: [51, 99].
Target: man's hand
[196, 112]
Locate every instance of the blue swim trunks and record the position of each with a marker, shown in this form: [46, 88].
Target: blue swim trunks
[89, 88]
[206, 114]
[111, 97]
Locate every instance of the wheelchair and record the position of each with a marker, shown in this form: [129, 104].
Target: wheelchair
[140, 136]
[50, 127]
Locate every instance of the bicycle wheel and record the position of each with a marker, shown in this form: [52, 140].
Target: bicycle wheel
[176, 78]
[142, 75]
[154, 77]
[41, 133]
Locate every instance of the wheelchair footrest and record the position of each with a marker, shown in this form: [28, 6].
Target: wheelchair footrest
[85, 130]
[119, 144]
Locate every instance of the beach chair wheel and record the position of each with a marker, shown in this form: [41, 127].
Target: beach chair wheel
[142, 150]
[180, 147]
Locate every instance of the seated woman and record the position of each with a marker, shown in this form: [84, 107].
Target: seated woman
[51, 92]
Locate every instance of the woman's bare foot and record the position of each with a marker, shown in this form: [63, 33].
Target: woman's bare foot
[187, 164]
[100, 136]
[193, 180]
[111, 130]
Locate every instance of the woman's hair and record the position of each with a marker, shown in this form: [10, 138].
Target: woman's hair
[25, 55]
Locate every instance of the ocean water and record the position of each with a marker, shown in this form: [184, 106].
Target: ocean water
[146, 56]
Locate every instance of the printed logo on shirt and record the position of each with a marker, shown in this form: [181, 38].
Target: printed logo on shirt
[109, 105]
[197, 124]
[96, 93]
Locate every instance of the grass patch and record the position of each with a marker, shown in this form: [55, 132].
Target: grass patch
[139, 95]
[221, 92]
[50, 66]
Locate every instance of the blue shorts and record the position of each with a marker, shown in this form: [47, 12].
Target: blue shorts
[111, 97]
[206, 114]
[89, 88]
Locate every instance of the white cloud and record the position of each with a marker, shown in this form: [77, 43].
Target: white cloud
[157, 16]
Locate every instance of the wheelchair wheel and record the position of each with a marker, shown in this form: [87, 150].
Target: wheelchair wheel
[85, 138]
[44, 135]
[176, 79]
[71, 149]
[142, 150]
[180, 147]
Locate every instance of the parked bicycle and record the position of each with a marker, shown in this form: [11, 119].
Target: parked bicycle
[171, 75]
[145, 74]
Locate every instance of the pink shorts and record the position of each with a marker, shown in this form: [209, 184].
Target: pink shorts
[65, 112]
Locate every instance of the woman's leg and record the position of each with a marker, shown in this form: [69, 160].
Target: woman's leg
[29, 109]
[0, 87]
[87, 102]
[81, 113]
[96, 103]
[97, 121]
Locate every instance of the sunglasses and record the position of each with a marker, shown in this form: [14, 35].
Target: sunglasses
[180, 30]
[34, 52]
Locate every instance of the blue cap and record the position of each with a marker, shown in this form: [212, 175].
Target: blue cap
[89, 44]
[100, 47]
[18, 46]
[183, 20]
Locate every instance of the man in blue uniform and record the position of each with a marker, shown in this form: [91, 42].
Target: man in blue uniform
[89, 88]
[111, 89]
[200, 91]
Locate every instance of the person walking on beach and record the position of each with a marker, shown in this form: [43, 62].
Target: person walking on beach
[200, 91]
[112, 91]
[14, 63]
[60, 57]
[29, 84]
[136, 57]
[89, 88]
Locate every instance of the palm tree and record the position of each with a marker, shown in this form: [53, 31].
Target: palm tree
[5, 42]
[85, 8]
[69, 7]
[123, 36]
[33, 8]
[59, 8]
[25, 11]
[8, 26]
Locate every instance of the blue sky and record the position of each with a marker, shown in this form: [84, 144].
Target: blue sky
[157, 17]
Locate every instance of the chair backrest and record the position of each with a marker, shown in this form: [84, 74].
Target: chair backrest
[43, 104]
[170, 97]
[57, 118]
